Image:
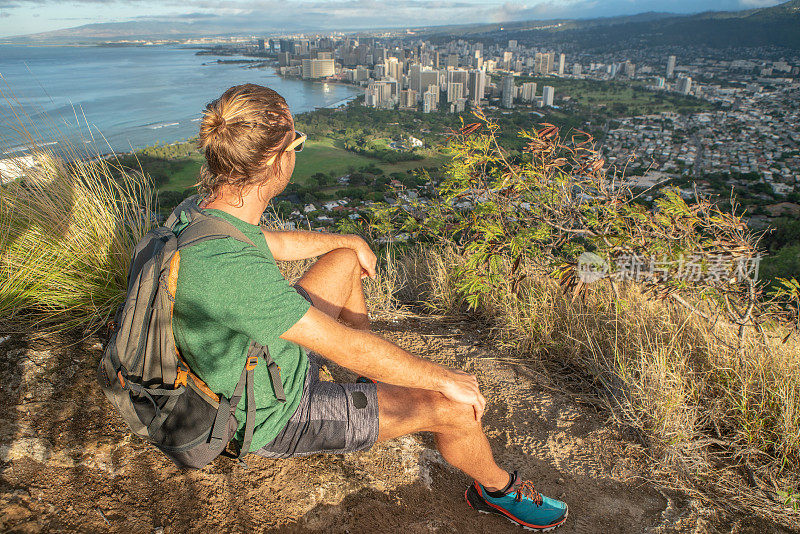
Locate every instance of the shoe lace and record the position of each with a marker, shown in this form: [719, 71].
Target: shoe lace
[527, 489]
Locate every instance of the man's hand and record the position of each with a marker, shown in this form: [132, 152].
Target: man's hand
[366, 257]
[463, 387]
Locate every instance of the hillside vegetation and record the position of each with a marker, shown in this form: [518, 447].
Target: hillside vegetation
[698, 363]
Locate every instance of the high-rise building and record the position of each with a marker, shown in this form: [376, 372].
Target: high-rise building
[261, 45]
[537, 63]
[507, 59]
[287, 45]
[528, 91]
[455, 90]
[670, 66]
[362, 74]
[630, 69]
[548, 93]
[394, 68]
[452, 61]
[414, 76]
[508, 92]
[430, 100]
[476, 86]
[408, 99]
[372, 96]
[684, 85]
[381, 93]
[562, 61]
[318, 68]
[512, 44]
[659, 82]
[458, 105]
[428, 77]
[458, 76]
[577, 69]
[543, 63]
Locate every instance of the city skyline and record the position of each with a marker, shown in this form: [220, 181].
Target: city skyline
[23, 17]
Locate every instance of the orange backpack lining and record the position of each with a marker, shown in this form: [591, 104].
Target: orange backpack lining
[183, 370]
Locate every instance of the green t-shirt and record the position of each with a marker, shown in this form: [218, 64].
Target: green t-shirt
[228, 293]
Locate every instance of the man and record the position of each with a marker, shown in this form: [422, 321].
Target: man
[229, 292]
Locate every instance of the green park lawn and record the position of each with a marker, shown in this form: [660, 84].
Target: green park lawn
[618, 98]
[319, 155]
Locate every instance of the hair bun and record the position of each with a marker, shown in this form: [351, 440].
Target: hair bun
[212, 127]
[238, 132]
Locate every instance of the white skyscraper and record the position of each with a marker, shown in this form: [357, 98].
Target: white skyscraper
[455, 90]
[562, 60]
[476, 86]
[318, 68]
[508, 92]
[528, 91]
[670, 66]
[430, 100]
[684, 85]
[394, 68]
[547, 95]
[577, 70]
[507, 59]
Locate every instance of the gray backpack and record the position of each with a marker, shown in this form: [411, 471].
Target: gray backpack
[141, 371]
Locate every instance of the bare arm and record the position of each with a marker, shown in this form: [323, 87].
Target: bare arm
[372, 356]
[298, 245]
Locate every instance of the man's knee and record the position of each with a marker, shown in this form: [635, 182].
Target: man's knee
[448, 415]
[344, 258]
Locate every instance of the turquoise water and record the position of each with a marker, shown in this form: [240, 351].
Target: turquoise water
[124, 98]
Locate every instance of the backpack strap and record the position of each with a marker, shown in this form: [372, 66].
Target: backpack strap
[188, 206]
[245, 386]
[201, 228]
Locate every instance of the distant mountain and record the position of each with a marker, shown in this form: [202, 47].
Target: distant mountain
[773, 26]
[139, 29]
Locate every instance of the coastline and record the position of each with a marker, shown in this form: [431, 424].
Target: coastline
[147, 112]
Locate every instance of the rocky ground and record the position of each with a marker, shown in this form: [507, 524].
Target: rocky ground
[67, 462]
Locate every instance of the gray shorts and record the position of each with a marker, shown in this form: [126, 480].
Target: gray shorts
[331, 418]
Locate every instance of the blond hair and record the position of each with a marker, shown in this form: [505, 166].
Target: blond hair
[239, 131]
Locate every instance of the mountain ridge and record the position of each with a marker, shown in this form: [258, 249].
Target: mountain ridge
[770, 26]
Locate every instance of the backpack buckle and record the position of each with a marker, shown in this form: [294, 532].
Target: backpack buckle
[252, 361]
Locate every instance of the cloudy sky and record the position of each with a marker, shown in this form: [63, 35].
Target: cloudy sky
[19, 17]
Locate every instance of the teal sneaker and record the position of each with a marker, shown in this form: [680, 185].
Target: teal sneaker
[520, 503]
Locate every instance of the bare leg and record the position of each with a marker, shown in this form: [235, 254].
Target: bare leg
[459, 438]
[334, 284]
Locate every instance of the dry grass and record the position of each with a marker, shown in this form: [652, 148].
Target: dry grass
[720, 424]
[67, 234]
[381, 293]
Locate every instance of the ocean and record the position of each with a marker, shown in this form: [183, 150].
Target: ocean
[124, 98]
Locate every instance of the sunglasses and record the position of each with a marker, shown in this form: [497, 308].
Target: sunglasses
[296, 145]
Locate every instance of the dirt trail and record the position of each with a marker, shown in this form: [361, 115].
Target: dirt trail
[68, 464]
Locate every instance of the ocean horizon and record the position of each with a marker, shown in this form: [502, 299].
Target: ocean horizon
[104, 99]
